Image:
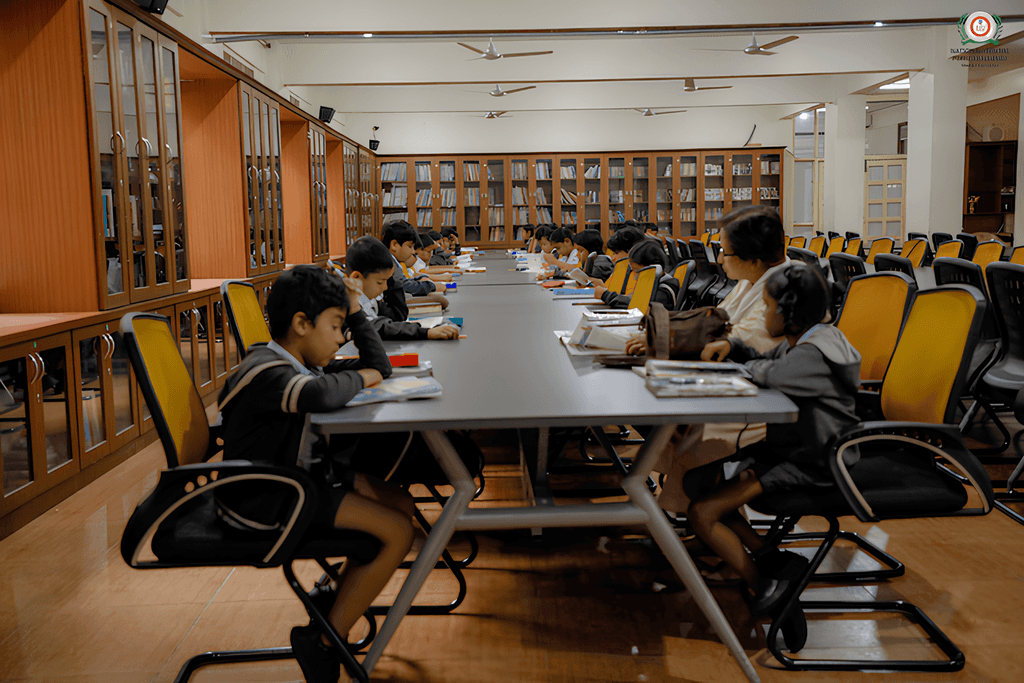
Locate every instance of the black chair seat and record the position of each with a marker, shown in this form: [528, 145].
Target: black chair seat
[196, 536]
[894, 482]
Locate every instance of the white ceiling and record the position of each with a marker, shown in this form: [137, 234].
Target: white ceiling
[396, 78]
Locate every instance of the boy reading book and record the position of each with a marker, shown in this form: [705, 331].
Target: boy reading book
[400, 239]
[589, 242]
[565, 256]
[370, 265]
[440, 257]
[263, 406]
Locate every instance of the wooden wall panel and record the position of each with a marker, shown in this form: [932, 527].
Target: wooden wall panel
[295, 188]
[336, 197]
[212, 165]
[47, 244]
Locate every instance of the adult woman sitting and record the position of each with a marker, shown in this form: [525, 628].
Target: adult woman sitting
[753, 247]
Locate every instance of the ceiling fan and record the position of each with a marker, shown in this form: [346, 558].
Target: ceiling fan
[498, 92]
[651, 112]
[495, 114]
[491, 53]
[690, 86]
[755, 49]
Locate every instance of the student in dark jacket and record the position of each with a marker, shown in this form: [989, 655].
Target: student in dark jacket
[819, 370]
[645, 253]
[450, 235]
[400, 239]
[369, 264]
[440, 257]
[589, 242]
[263, 406]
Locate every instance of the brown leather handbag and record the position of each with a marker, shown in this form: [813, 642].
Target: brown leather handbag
[682, 335]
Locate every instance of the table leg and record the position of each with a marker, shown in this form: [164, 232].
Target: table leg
[665, 536]
[437, 539]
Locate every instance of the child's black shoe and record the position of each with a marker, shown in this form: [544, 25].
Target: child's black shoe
[320, 664]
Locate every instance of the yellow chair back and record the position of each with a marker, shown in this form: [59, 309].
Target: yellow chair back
[680, 271]
[799, 241]
[1017, 256]
[929, 367]
[244, 314]
[883, 245]
[705, 238]
[872, 316]
[717, 237]
[646, 284]
[817, 245]
[835, 247]
[177, 410]
[914, 251]
[987, 252]
[949, 249]
[630, 282]
[617, 280]
[853, 246]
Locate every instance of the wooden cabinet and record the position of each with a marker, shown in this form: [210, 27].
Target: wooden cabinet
[194, 320]
[261, 164]
[353, 200]
[990, 177]
[226, 354]
[139, 206]
[38, 448]
[369, 190]
[107, 396]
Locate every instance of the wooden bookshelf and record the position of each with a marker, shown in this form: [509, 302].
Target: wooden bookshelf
[989, 179]
[684, 192]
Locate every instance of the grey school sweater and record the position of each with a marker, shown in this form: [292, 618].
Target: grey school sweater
[821, 375]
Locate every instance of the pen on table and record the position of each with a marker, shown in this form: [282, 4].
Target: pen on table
[462, 336]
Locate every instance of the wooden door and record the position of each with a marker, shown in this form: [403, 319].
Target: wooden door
[884, 209]
[640, 188]
[566, 199]
[317, 143]
[712, 168]
[617, 191]
[446, 194]
[37, 419]
[472, 195]
[687, 195]
[595, 187]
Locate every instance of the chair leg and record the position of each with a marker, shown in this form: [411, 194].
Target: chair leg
[954, 657]
[232, 657]
[991, 412]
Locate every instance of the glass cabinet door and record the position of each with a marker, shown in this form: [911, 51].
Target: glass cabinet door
[394, 186]
[447, 194]
[109, 143]
[174, 214]
[251, 182]
[16, 441]
[567, 192]
[352, 199]
[664, 180]
[92, 354]
[741, 183]
[520, 170]
[496, 200]
[371, 201]
[159, 251]
[714, 190]
[271, 146]
[105, 391]
[616, 190]
[592, 193]
[317, 140]
[544, 195]
[640, 194]
[424, 195]
[688, 196]
[471, 211]
[770, 180]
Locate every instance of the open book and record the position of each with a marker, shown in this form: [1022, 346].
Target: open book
[398, 389]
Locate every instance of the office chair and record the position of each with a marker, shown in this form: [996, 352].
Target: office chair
[898, 474]
[177, 525]
[882, 245]
[940, 238]
[854, 246]
[888, 262]
[818, 245]
[970, 244]
[987, 252]
[917, 252]
[949, 249]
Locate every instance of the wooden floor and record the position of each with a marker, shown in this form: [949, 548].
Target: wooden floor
[582, 606]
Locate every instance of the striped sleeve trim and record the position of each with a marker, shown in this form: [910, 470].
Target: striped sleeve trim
[290, 397]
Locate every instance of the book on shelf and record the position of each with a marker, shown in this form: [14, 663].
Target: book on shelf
[770, 167]
[743, 168]
[768, 192]
[496, 215]
[393, 172]
[543, 214]
[472, 196]
[423, 173]
[712, 213]
[448, 196]
[519, 170]
[688, 168]
[496, 234]
[615, 196]
[593, 172]
[471, 172]
[688, 194]
[448, 218]
[593, 197]
[521, 215]
[616, 171]
[568, 172]
[742, 193]
[616, 217]
[395, 217]
[713, 169]
[496, 195]
[568, 218]
[543, 170]
[520, 196]
[423, 197]
[568, 197]
[447, 174]
[639, 171]
[688, 214]
[397, 389]
[424, 217]
[542, 197]
[668, 170]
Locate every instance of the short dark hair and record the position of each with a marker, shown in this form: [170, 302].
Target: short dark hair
[399, 231]
[528, 228]
[623, 239]
[543, 232]
[367, 256]
[449, 232]
[755, 233]
[426, 241]
[590, 240]
[650, 226]
[434, 235]
[560, 235]
[801, 294]
[303, 289]
[648, 253]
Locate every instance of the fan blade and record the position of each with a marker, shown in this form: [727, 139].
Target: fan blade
[714, 87]
[677, 111]
[642, 111]
[470, 47]
[509, 92]
[763, 53]
[781, 41]
[526, 54]
[714, 49]
[500, 113]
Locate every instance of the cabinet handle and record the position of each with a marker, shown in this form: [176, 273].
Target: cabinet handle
[118, 134]
[35, 368]
[42, 365]
[113, 345]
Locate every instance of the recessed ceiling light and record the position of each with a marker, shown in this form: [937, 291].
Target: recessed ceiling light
[878, 23]
[367, 35]
[805, 115]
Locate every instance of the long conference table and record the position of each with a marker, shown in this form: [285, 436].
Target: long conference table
[512, 372]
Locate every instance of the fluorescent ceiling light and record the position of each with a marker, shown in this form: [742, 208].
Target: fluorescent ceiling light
[898, 85]
[805, 115]
[367, 35]
[878, 23]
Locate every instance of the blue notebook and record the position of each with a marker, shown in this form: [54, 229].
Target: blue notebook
[398, 389]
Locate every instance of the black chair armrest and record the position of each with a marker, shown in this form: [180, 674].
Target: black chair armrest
[869, 403]
[941, 440]
[181, 485]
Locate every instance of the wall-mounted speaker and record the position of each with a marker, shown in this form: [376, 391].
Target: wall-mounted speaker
[326, 114]
[374, 144]
[154, 6]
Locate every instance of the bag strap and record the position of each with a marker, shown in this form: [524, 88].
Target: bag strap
[247, 378]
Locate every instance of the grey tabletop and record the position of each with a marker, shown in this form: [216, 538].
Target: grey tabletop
[501, 270]
[512, 371]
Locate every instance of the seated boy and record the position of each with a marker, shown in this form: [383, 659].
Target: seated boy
[619, 244]
[370, 265]
[400, 239]
[440, 256]
[565, 257]
[425, 246]
[263, 406]
[589, 242]
[451, 235]
[643, 254]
